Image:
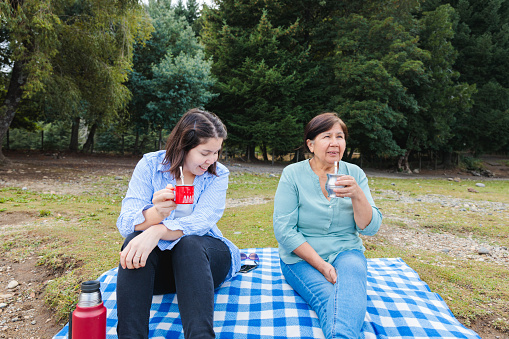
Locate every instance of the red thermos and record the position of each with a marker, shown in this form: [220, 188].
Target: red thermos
[88, 320]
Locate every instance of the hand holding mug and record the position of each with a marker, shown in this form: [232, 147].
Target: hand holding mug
[164, 201]
[346, 186]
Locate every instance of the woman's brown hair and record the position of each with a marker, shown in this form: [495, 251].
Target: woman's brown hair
[193, 129]
[322, 123]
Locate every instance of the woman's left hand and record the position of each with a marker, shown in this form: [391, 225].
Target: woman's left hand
[362, 210]
[135, 254]
[350, 187]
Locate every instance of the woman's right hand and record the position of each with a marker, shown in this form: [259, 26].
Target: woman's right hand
[136, 253]
[164, 201]
[329, 272]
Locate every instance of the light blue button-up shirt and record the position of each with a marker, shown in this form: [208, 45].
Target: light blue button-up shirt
[150, 176]
[303, 214]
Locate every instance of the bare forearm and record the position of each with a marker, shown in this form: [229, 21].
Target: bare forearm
[152, 217]
[362, 210]
[308, 253]
[163, 233]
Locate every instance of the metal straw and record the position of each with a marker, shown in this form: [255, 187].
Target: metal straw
[181, 175]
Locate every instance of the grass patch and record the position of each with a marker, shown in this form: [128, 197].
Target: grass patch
[495, 190]
[249, 226]
[249, 185]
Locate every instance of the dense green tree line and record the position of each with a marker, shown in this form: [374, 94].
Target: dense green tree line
[407, 76]
[388, 68]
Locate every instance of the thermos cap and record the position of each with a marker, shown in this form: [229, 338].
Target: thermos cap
[90, 286]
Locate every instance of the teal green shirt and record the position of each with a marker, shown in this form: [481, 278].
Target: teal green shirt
[303, 214]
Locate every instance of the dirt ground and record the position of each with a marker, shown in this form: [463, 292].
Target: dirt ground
[62, 174]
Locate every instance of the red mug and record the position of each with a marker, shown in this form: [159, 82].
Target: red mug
[184, 194]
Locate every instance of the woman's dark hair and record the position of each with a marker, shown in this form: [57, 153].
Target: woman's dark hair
[193, 129]
[322, 123]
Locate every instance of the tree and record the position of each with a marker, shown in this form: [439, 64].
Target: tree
[76, 52]
[376, 59]
[262, 71]
[482, 41]
[170, 73]
[442, 96]
[95, 56]
[29, 28]
[397, 87]
[188, 11]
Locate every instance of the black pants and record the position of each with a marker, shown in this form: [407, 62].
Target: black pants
[193, 269]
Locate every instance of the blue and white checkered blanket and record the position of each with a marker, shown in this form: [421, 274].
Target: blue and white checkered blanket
[260, 304]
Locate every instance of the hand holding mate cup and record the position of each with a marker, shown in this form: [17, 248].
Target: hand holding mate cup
[164, 201]
[346, 186]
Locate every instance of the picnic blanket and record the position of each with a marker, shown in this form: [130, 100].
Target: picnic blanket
[260, 304]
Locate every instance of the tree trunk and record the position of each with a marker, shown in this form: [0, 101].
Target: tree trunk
[447, 159]
[296, 155]
[143, 143]
[403, 164]
[136, 147]
[251, 154]
[264, 152]
[89, 144]
[349, 155]
[10, 104]
[123, 144]
[224, 153]
[74, 143]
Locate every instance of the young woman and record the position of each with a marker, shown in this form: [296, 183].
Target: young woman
[172, 248]
[319, 245]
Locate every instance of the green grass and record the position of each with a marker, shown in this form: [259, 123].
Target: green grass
[249, 185]
[249, 226]
[75, 236]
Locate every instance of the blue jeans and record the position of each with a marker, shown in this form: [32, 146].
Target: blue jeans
[340, 307]
[192, 269]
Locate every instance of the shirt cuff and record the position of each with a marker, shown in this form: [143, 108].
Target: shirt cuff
[293, 242]
[173, 225]
[374, 225]
[139, 218]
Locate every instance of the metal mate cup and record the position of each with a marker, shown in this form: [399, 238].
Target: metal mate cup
[331, 184]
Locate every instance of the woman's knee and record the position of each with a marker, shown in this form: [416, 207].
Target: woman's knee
[190, 245]
[351, 262]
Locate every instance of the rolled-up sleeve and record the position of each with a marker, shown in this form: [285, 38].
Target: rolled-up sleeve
[286, 214]
[376, 217]
[138, 198]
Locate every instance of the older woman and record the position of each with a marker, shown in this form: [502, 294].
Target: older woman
[319, 245]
